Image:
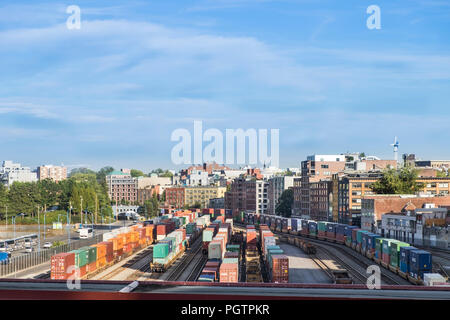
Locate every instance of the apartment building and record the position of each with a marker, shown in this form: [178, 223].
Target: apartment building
[249, 195]
[202, 195]
[276, 186]
[351, 189]
[122, 186]
[11, 172]
[147, 193]
[55, 173]
[321, 200]
[175, 197]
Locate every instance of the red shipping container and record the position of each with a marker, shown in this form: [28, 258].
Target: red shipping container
[229, 272]
[280, 266]
[321, 234]
[386, 258]
[229, 254]
[110, 258]
[118, 253]
[61, 262]
[161, 229]
[212, 264]
[91, 267]
[183, 231]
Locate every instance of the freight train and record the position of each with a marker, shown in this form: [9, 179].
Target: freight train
[123, 242]
[399, 257]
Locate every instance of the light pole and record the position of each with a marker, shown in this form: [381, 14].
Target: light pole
[39, 230]
[44, 227]
[6, 218]
[14, 222]
[68, 222]
[81, 208]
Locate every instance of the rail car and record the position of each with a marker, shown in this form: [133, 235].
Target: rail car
[364, 242]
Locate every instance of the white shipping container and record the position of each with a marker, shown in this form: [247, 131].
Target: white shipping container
[434, 279]
[160, 237]
[108, 235]
[215, 250]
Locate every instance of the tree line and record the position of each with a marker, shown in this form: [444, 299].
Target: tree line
[84, 188]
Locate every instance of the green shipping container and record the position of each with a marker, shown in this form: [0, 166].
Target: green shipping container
[272, 252]
[395, 252]
[190, 228]
[160, 250]
[92, 254]
[81, 257]
[233, 247]
[379, 245]
[359, 234]
[322, 226]
[387, 245]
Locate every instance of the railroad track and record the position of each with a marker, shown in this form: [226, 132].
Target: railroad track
[355, 273]
[136, 262]
[177, 271]
[386, 275]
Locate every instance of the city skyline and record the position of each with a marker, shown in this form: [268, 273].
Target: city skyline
[112, 92]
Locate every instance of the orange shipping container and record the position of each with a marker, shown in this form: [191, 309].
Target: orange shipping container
[101, 262]
[101, 250]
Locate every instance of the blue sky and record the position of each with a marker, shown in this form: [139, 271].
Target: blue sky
[112, 92]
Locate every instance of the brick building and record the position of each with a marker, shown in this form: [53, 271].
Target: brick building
[373, 207]
[175, 197]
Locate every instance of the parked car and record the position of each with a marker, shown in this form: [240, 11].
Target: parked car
[29, 250]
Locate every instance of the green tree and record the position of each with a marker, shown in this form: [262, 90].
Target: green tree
[136, 173]
[403, 181]
[284, 205]
[80, 170]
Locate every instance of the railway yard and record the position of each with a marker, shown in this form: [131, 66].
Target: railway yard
[210, 250]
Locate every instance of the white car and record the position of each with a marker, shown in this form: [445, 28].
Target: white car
[29, 250]
[47, 245]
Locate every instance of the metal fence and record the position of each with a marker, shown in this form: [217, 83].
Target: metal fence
[16, 264]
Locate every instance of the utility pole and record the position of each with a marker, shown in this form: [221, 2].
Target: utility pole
[81, 208]
[96, 204]
[39, 230]
[6, 218]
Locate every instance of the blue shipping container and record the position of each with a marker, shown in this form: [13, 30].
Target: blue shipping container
[294, 224]
[371, 241]
[419, 263]
[340, 229]
[3, 256]
[404, 258]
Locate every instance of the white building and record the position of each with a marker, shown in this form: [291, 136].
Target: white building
[326, 157]
[198, 178]
[124, 209]
[262, 200]
[13, 172]
[154, 180]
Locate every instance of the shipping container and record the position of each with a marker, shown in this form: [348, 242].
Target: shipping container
[404, 258]
[62, 265]
[394, 248]
[420, 262]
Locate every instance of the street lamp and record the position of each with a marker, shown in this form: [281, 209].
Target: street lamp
[14, 222]
[39, 229]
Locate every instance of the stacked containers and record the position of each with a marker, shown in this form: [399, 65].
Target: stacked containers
[250, 237]
[359, 239]
[405, 253]
[161, 252]
[60, 264]
[117, 246]
[109, 246]
[321, 229]
[280, 269]
[81, 260]
[331, 231]
[340, 233]
[419, 263]
[394, 260]
[379, 248]
[284, 225]
[354, 240]
[386, 251]
[229, 270]
[161, 231]
[101, 255]
[294, 225]
[150, 233]
[312, 228]
[92, 259]
[371, 243]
